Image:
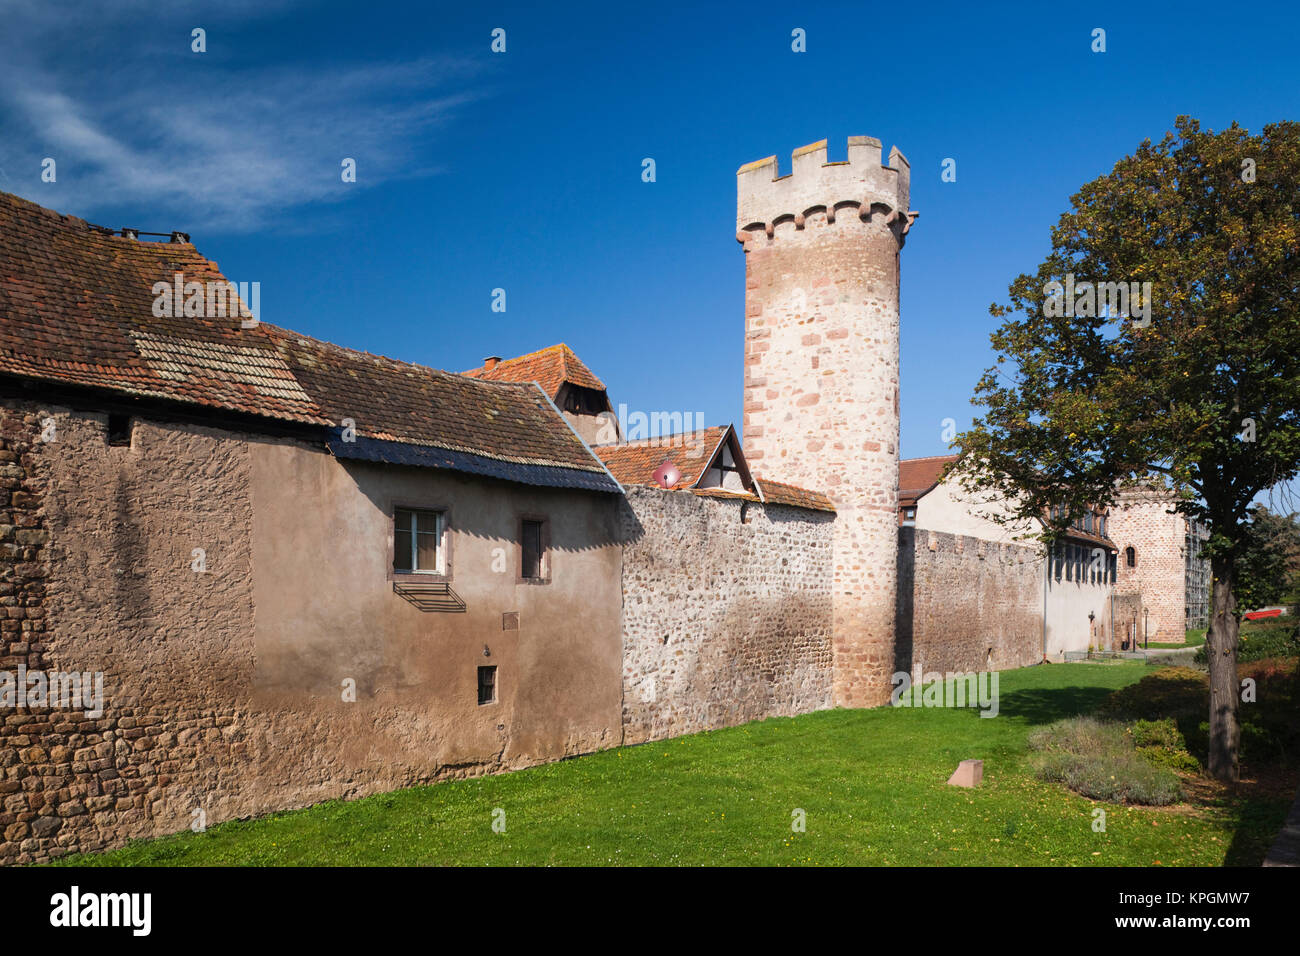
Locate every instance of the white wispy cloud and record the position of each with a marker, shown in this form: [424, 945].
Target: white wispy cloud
[221, 144]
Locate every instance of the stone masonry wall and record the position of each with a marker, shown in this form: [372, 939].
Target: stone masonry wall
[1141, 520]
[822, 370]
[723, 622]
[966, 604]
[172, 645]
[25, 772]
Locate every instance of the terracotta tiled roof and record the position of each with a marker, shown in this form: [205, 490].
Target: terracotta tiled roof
[917, 476]
[398, 401]
[778, 492]
[724, 493]
[76, 306]
[634, 463]
[549, 367]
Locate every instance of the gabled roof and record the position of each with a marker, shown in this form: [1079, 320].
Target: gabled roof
[634, 463]
[76, 307]
[549, 367]
[918, 476]
[468, 423]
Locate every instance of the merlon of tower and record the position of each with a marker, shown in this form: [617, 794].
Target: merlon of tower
[860, 183]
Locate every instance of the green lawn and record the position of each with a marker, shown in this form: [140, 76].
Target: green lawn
[1193, 637]
[872, 785]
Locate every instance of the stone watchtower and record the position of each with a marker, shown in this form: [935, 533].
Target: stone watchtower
[821, 371]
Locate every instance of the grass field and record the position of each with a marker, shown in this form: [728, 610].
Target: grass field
[872, 784]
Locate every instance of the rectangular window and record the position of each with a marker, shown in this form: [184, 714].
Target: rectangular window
[119, 430]
[417, 541]
[532, 540]
[487, 685]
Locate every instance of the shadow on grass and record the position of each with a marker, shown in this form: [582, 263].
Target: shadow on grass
[1042, 706]
[1253, 810]
[1257, 813]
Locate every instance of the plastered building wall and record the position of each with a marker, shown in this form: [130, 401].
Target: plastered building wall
[224, 689]
[821, 371]
[1069, 602]
[950, 508]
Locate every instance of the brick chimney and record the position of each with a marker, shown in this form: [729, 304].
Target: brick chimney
[490, 362]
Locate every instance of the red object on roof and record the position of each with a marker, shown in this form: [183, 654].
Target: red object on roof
[639, 462]
[667, 475]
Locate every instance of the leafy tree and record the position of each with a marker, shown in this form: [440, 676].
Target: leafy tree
[1269, 543]
[1195, 384]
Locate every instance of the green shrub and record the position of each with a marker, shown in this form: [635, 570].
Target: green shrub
[1098, 760]
[1162, 744]
[1157, 733]
[1258, 640]
[1179, 697]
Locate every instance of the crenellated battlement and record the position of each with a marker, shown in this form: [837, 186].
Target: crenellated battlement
[764, 196]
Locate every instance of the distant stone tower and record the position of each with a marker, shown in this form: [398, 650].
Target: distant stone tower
[1158, 560]
[821, 371]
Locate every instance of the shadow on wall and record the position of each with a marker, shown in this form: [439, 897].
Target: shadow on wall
[131, 595]
[904, 626]
[593, 532]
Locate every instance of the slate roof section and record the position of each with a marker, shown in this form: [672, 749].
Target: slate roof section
[549, 367]
[917, 477]
[394, 401]
[428, 456]
[77, 307]
[634, 463]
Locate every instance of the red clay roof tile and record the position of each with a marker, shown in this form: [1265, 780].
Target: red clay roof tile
[549, 367]
[76, 306]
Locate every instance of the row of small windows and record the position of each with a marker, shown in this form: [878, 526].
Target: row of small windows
[1083, 564]
[1090, 523]
[419, 544]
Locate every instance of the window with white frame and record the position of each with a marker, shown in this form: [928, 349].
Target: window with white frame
[417, 542]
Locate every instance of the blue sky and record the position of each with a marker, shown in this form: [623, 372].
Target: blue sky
[522, 170]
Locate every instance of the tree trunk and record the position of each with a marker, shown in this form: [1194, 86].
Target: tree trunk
[1221, 648]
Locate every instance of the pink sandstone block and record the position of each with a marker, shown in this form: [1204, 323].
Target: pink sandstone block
[969, 773]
